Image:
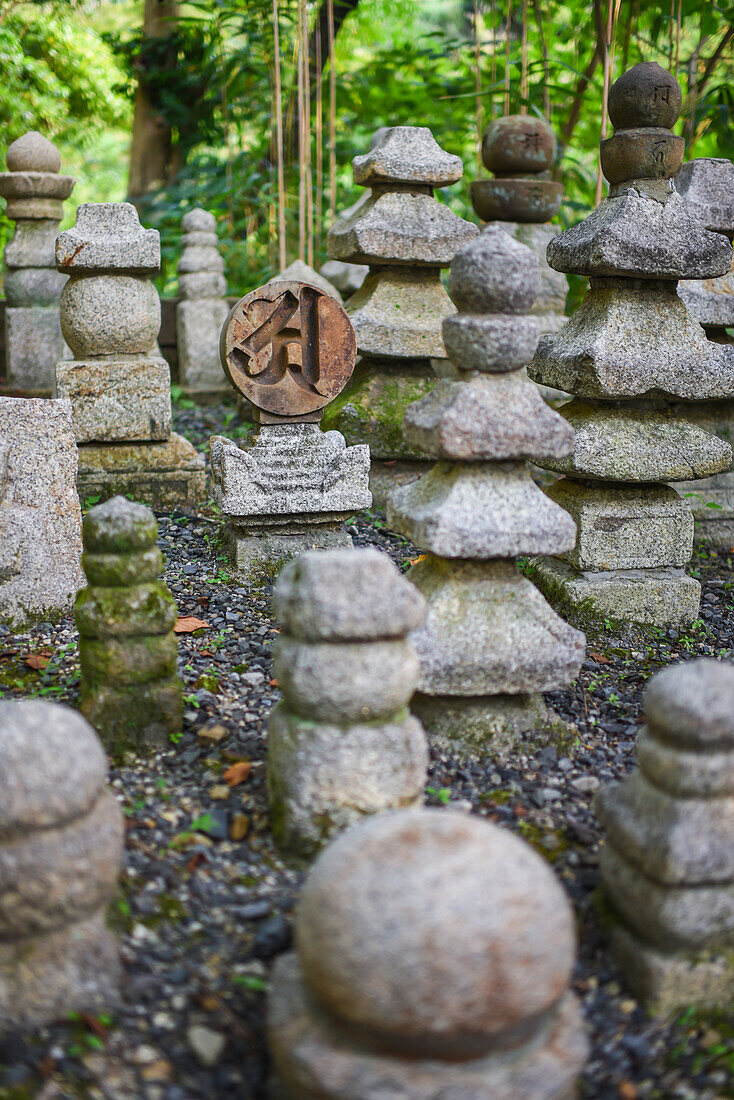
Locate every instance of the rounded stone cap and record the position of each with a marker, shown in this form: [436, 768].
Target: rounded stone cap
[433, 933]
[692, 705]
[199, 221]
[119, 526]
[52, 766]
[494, 273]
[33, 153]
[346, 595]
[518, 143]
[646, 95]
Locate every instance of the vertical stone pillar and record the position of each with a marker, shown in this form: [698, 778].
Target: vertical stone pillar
[343, 743]
[668, 863]
[35, 194]
[433, 957]
[61, 835]
[406, 237]
[490, 642]
[127, 649]
[634, 357]
[202, 310]
[118, 386]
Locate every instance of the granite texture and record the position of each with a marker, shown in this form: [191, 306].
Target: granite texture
[161, 475]
[117, 399]
[108, 237]
[407, 154]
[110, 315]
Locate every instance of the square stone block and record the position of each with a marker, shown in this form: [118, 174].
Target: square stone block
[643, 527]
[33, 346]
[117, 400]
[161, 475]
[267, 550]
[198, 325]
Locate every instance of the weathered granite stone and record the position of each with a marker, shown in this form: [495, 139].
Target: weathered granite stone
[165, 475]
[488, 632]
[108, 237]
[633, 356]
[342, 743]
[381, 997]
[300, 272]
[34, 191]
[203, 307]
[130, 690]
[667, 866]
[406, 236]
[40, 518]
[104, 315]
[347, 278]
[117, 399]
[61, 836]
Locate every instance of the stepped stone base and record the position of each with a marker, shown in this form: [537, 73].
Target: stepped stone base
[667, 982]
[655, 597]
[161, 475]
[712, 504]
[252, 550]
[486, 725]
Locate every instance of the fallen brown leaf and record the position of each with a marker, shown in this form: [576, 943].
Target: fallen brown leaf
[599, 658]
[274, 683]
[36, 661]
[187, 624]
[237, 773]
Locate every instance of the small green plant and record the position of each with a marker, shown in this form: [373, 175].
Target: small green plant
[443, 795]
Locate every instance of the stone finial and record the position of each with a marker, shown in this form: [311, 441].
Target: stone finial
[33, 153]
[31, 184]
[400, 987]
[342, 743]
[108, 239]
[406, 154]
[201, 268]
[494, 274]
[61, 835]
[125, 617]
[668, 864]
[520, 150]
[518, 144]
[645, 96]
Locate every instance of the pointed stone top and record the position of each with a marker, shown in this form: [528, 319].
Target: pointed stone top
[119, 526]
[645, 96]
[33, 153]
[407, 154]
[199, 221]
[708, 185]
[691, 705]
[300, 272]
[518, 144]
[494, 273]
[108, 236]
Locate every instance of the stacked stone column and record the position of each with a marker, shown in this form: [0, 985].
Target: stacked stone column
[631, 355]
[202, 310]
[118, 385]
[61, 835]
[343, 744]
[405, 236]
[35, 194]
[490, 642]
[127, 649]
[433, 956]
[668, 863]
[708, 185]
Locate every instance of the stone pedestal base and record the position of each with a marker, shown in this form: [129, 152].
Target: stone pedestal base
[314, 1061]
[667, 982]
[128, 717]
[712, 504]
[252, 550]
[161, 475]
[44, 978]
[486, 725]
[656, 597]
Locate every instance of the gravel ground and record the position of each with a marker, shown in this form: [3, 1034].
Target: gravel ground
[206, 903]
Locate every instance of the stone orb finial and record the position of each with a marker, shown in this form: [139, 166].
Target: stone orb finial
[119, 526]
[431, 933]
[518, 143]
[33, 153]
[494, 273]
[689, 705]
[645, 96]
[199, 221]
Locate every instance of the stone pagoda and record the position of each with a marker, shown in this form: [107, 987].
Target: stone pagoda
[490, 642]
[289, 349]
[634, 357]
[522, 198]
[406, 237]
[117, 382]
[202, 310]
[708, 184]
[35, 194]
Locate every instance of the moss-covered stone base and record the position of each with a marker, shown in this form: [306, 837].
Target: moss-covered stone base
[161, 475]
[140, 715]
[252, 554]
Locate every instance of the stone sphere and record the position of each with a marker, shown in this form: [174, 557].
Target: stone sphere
[692, 704]
[110, 315]
[433, 933]
[33, 153]
[52, 766]
[199, 221]
[646, 95]
[119, 526]
[518, 143]
[494, 273]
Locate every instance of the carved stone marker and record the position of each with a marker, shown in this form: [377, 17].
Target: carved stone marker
[35, 193]
[61, 834]
[433, 956]
[289, 348]
[202, 310]
[668, 863]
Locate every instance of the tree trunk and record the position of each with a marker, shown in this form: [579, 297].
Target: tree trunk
[153, 158]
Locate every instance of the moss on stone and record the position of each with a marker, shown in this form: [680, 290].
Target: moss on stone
[371, 409]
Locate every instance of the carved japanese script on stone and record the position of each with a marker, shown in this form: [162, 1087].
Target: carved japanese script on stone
[289, 348]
